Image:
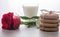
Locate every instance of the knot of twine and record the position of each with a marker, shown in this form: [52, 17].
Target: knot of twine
[44, 10]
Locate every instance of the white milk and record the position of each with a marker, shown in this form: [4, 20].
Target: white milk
[30, 11]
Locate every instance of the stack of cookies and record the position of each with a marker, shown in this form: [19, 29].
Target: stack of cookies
[49, 22]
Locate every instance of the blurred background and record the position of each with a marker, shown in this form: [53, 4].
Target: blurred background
[16, 6]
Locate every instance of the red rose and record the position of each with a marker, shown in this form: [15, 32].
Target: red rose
[10, 22]
[16, 21]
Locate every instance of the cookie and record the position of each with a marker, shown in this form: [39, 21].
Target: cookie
[49, 21]
[49, 25]
[49, 29]
[49, 16]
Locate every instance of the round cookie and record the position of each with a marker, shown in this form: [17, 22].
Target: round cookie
[49, 21]
[49, 15]
[49, 29]
[48, 25]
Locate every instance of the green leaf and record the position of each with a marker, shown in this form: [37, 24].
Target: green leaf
[24, 17]
[31, 24]
[35, 17]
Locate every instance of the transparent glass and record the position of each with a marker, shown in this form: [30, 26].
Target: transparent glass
[30, 10]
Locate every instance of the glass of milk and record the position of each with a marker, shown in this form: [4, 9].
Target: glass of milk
[30, 11]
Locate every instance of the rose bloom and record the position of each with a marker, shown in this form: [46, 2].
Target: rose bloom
[10, 21]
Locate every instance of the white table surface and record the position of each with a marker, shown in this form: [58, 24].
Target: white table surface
[23, 31]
